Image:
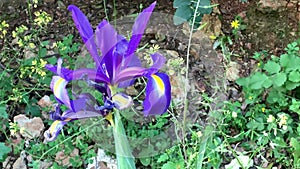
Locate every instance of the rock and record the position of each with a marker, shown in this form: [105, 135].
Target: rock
[101, 159]
[271, 5]
[45, 165]
[45, 102]
[7, 164]
[212, 28]
[62, 159]
[130, 90]
[232, 72]
[29, 54]
[20, 163]
[61, 5]
[30, 128]
[49, 1]
[172, 53]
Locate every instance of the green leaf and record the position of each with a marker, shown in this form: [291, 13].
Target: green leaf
[296, 145]
[289, 62]
[291, 85]
[145, 161]
[3, 112]
[179, 3]
[272, 67]
[294, 76]
[182, 14]
[244, 82]
[258, 80]
[4, 150]
[169, 165]
[279, 79]
[162, 158]
[204, 7]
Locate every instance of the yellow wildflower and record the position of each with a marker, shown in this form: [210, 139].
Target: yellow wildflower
[31, 45]
[199, 134]
[43, 63]
[263, 109]
[34, 62]
[14, 34]
[3, 31]
[42, 18]
[212, 37]
[235, 24]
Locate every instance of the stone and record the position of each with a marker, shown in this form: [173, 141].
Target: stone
[130, 90]
[232, 72]
[30, 128]
[7, 164]
[45, 102]
[172, 53]
[62, 159]
[20, 163]
[101, 159]
[45, 165]
[29, 54]
[271, 5]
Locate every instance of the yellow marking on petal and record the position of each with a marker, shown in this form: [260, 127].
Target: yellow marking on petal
[109, 117]
[122, 101]
[54, 125]
[159, 84]
[58, 84]
[68, 119]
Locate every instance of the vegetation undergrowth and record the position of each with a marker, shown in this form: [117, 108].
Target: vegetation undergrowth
[261, 129]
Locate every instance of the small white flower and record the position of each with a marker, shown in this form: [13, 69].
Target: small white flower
[265, 134]
[234, 114]
[284, 127]
[270, 119]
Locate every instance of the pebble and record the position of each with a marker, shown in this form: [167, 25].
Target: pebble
[32, 127]
[45, 102]
[102, 157]
[62, 159]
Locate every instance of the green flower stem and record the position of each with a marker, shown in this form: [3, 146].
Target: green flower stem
[125, 159]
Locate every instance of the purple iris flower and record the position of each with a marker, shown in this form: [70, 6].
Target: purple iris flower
[116, 67]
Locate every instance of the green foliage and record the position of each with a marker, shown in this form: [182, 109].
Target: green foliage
[276, 82]
[185, 10]
[296, 149]
[277, 74]
[3, 112]
[4, 150]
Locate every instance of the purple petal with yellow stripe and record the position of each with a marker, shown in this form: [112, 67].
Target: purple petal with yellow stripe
[58, 86]
[158, 94]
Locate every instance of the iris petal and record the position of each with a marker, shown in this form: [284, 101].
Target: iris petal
[54, 130]
[158, 94]
[122, 101]
[158, 61]
[58, 86]
[138, 28]
[106, 37]
[86, 31]
[82, 23]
